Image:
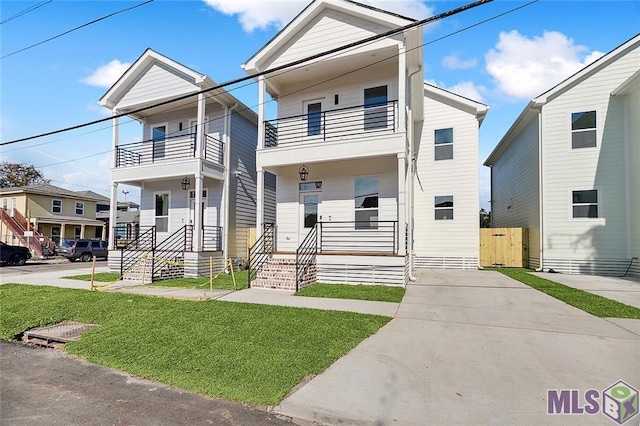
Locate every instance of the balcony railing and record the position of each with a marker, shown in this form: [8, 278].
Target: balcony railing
[374, 236]
[211, 238]
[334, 124]
[170, 148]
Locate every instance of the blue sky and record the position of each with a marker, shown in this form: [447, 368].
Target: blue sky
[503, 63]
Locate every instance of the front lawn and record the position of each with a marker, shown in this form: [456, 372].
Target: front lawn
[222, 282]
[243, 352]
[378, 293]
[588, 302]
[99, 277]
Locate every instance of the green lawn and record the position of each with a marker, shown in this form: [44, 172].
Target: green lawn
[236, 351]
[379, 293]
[588, 302]
[223, 282]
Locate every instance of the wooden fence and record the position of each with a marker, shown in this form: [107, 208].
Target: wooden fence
[504, 247]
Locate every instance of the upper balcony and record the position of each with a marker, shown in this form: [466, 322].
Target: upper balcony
[165, 157]
[358, 131]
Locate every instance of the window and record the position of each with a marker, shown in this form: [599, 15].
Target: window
[56, 206]
[162, 212]
[192, 194]
[375, 108]
[444, 207]
[80, 209]
[585, 204]
[4, 203]
[309, 186]
[158, 136]
[443, 139]
[77, 233]
[583, 130]
[314, 118]
[311, 202]
[366, 200]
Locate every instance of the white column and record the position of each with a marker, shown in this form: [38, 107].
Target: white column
[261, 93]
[62, 231]
[259, 203]
[402, 219]
[197, 216]
[113, 213]
[402, 89]
[200, 126]
[82, 229]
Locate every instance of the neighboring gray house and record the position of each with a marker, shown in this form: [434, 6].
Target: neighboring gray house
[569, 170]
[194, 163]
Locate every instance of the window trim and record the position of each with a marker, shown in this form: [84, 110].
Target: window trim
[571, 131]
[373, 85]
[53, 206]
[305, 116]
[153, 126]
[168, 216]
[356, 209]
[452, 143]
[81, 208]
[452, 208]
[599, 203]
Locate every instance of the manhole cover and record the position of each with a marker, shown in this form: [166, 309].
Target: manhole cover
[63, 332]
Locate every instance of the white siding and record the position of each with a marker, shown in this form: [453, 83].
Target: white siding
[332, 29]
[338, 192]
[598, 240]
[214, 116]
[633, 105]
[515, 188]
[457, 238]
[159, 82]
[242, 189]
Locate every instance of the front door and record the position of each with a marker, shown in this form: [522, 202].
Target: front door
[310, 212]
[158, 136]
[192, 206]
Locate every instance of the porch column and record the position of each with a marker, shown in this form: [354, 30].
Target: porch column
[402, 89]
[199, 148]
[402, 220]
[113, 214]
[197, 216]
[82, 229]
[259, 203]
[261, 93]
[62, 231]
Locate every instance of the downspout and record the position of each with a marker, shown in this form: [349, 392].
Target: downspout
[540, 191]
[227, 176]
[409, 196]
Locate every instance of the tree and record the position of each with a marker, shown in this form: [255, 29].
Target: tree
[20, 174]
[485, 219]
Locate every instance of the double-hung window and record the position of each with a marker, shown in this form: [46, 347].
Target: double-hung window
[443, 139]
[584, 204]
[443, 207]
[56, 206]
[366, 201]
[583, 130]
[79, 209]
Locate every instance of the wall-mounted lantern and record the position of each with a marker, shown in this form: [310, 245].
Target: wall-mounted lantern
[303, 172]
[186, 183]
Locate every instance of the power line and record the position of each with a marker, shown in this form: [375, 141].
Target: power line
[25, 11]
[76, 28]
[267, 72]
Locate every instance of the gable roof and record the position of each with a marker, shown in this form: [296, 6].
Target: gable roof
[473, 107]
[536, 104]
[52, 190]
[315, 9]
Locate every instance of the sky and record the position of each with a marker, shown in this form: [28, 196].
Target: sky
[503, 63]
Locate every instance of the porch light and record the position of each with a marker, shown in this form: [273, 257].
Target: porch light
[186, 183]
[303, 172]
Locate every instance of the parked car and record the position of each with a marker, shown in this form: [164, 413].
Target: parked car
[13, 255]
[83, 249]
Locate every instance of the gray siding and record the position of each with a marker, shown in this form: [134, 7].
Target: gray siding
[269, 201]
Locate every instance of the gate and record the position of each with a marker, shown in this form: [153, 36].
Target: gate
[504, 247]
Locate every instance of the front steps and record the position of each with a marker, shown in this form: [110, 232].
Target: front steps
[279, 273]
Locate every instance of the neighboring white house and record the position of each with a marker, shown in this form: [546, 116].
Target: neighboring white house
[373, 166]
[194, 163]
[569, 170]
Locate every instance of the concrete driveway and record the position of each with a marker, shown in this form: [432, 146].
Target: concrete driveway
[471, 348]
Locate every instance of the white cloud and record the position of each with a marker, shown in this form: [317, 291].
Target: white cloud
[468, 89]
[98, 109]
[106, 75]
[453, 62]
[526, 67]
[254, 14]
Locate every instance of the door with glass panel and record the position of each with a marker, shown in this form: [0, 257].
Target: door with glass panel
[312, 119]
[310, 212]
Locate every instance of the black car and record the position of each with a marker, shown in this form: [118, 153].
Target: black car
[83, 249]
[13, 255]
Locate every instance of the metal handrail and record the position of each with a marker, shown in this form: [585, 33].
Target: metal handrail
[211, 238]
[306, 254]
[133, 250]
[373, 236]
[331, 124]
[172, 249]
[261, 251]
[213, 150]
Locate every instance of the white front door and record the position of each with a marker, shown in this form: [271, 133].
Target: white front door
[310, 212]
[192, 208]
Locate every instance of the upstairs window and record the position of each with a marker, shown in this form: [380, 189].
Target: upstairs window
[583, 130]
[56, 206]
[443, 207]
[585, 204]
[375, 108]
[314, 119]
[366, 203]
[443, 139]
[80, 209]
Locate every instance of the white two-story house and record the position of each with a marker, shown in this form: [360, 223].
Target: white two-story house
[194, 163]
[375, 169]
[569, 170]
